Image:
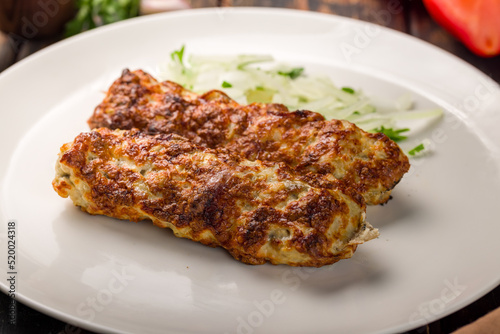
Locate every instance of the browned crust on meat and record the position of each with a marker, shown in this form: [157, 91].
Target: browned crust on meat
[257, 211]
[324, 153]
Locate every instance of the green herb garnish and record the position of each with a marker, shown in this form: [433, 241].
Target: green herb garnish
[292, 74]
[348, 90]
[95, 13]
[392, 134]
[226, 84]
[179, 54]
[416, 149]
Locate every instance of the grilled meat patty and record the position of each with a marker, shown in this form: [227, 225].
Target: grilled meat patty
[257, 211]
[323, 153]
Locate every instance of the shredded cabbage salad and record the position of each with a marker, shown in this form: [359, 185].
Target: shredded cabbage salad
[259, 78]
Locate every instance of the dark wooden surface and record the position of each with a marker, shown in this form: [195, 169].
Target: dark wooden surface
[408, 16]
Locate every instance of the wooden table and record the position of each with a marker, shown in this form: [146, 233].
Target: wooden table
[408, 16]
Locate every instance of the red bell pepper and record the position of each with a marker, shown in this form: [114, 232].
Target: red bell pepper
[474, 22]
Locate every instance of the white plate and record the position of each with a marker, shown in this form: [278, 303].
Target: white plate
[438, 249]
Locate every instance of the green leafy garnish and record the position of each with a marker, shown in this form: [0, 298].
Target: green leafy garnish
[392, 134]
[95, 13]
[348, 90]
[226, 84]
[293, 73]
[179, 54]
[416, 149]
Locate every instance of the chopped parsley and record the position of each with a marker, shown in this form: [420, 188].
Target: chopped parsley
[416, 149]
[348, 90]
[392, 134]
[293, 73]
[179, 54]
[226, 84]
